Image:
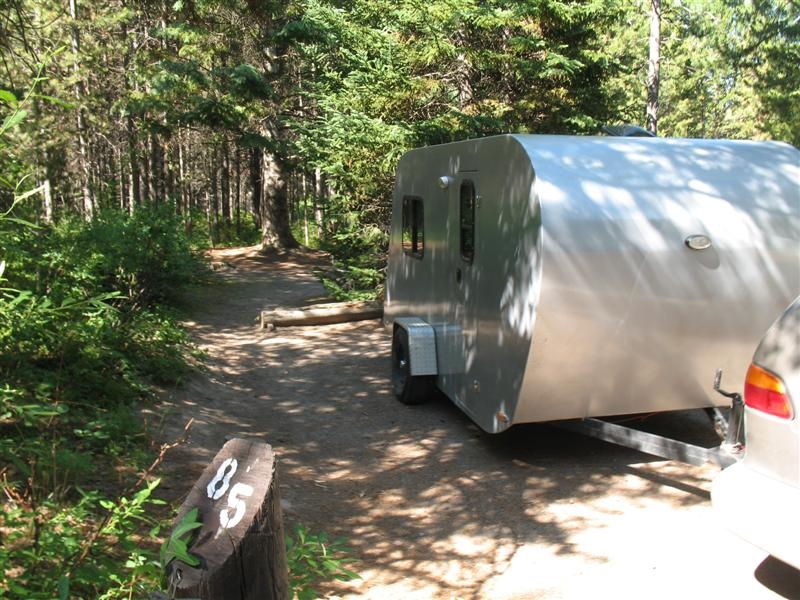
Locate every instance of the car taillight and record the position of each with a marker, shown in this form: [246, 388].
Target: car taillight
[765, 392]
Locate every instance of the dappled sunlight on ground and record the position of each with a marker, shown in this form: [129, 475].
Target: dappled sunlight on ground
[431, 506]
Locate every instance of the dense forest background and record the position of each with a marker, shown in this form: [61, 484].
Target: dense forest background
[133, 133]
[290, 116]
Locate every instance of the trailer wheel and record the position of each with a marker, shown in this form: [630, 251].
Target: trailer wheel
[408, 388]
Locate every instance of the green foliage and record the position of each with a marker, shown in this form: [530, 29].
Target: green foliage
[90, 320]
[313, 559]
[359, 257]
[727, 68]
[239, 231]
[77, 348]
[359, 264]
[145, 258]
[90, 548]
[176, 546]
[82, 332]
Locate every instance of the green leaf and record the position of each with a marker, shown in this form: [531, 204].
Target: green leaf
[188, 523]
[177, 546]
[13, 119]
[7, 97]
[182, 553]
[21, 222]
[56, 101]
[63, 588]
[28, 194]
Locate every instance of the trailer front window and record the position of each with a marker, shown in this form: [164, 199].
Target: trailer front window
[413, 226]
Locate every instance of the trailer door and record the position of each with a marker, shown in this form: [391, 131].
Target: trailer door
[461, 335]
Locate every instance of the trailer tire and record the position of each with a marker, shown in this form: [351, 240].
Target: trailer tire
[409, 389]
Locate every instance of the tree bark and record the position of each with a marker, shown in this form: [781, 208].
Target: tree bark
[238, 193]
[654, 67]
[182, 192]
[275, 224]
[225, 183]
[321, 314]
[83, 151]
[213, 207]
[319, 202]
[157, 177]
[256, 187]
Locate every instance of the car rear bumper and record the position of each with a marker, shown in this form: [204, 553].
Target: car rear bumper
[762, 510]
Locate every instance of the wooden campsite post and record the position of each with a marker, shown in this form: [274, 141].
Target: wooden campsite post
[241, 545]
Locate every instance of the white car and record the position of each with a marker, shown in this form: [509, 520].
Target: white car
[758, 498]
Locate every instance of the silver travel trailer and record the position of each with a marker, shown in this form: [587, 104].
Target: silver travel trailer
[538, 278]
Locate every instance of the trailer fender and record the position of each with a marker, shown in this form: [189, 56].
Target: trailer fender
[413, 360]
[421, 345]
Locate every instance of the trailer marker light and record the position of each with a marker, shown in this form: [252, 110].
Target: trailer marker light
[765, 392]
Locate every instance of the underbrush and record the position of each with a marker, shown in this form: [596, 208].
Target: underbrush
[359, 259]
[239, 230]
[86, 327]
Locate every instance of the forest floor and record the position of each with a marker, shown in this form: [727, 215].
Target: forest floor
[431, 507]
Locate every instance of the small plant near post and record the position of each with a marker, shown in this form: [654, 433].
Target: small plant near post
[313, 559]
[176, 546]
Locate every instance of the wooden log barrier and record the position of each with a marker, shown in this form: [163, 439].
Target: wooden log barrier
[321, 314]
[241, 544]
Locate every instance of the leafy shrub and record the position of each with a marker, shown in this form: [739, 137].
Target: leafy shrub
[243, 232]
[82, 332]
[87, 549]
[312, 559]
[220, 234]
[146, 258]
[359, 259]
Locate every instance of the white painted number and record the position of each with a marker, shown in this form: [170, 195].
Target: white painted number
[219, 485]
[235, 501]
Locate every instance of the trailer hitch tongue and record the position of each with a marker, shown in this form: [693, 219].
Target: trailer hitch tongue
[734, 427]
[726, 454]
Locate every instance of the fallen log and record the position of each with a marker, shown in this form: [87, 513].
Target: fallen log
[321, 314]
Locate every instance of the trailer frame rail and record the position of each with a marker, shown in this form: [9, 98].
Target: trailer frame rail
[651, 443]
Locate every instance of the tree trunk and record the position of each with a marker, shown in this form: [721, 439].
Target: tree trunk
[238, 194]
[182, 192]
[47, 201]
[213, 208]
[134, 191]
[275, 223]
[225, 183]
[134, 187]
[653, 67]
[319, 206]
[156, 187]
[256, 188]
[83, 152]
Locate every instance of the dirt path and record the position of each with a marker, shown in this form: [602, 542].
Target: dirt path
[432, 507]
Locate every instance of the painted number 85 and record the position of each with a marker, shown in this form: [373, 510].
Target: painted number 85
[220, 484]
